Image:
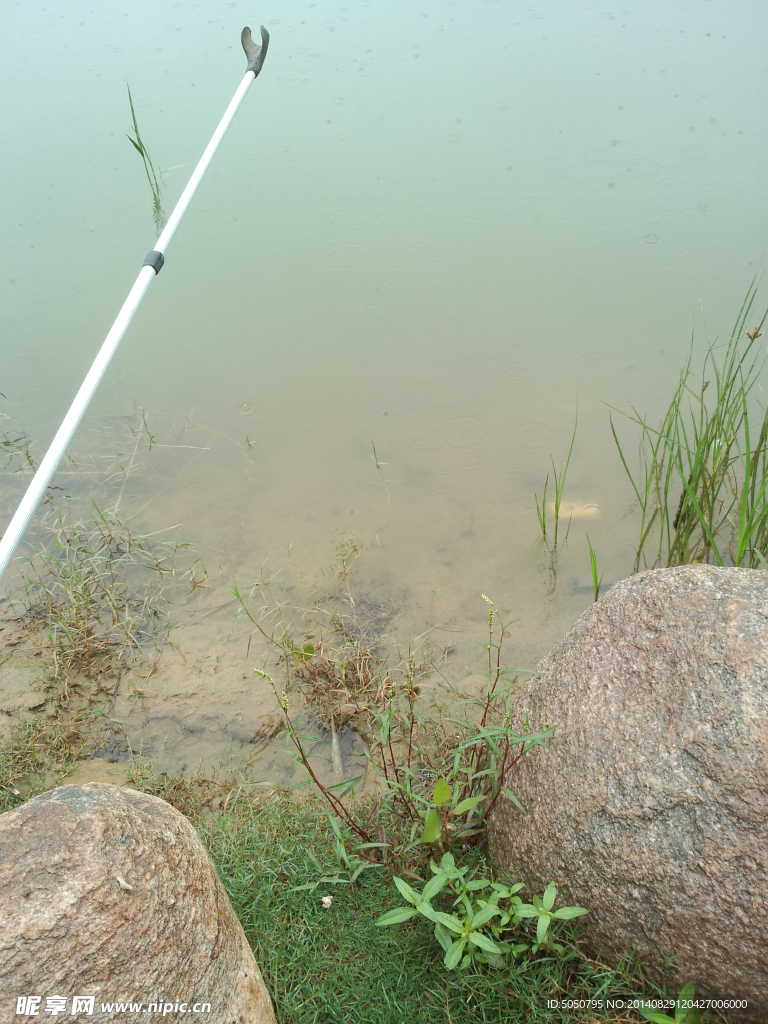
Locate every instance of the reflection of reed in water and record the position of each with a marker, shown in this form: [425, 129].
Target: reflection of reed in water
[158, 214]
[268, 729]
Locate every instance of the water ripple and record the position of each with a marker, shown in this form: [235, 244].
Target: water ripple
[462, 431]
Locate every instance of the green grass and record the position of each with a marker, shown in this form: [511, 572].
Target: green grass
[702, 487]
[154, 184]
[334, 966]
[559, 478]
[34, 757]
[94, 591]
[596, 580]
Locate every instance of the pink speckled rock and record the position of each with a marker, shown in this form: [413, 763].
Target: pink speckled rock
[651, 806]
[107, 892]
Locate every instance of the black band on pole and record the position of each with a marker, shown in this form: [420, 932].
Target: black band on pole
[254, 53]
[155, 260]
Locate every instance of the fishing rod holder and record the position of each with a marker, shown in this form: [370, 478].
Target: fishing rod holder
[254, 53]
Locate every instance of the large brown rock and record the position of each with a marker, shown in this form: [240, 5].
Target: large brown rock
[109, 893]
[651, 806]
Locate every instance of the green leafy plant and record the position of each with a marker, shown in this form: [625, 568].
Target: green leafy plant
[443, 808]
[427, 797]
[476, 772]
[479, 929]
[305, 653]
[684, 1013]
[322, 962]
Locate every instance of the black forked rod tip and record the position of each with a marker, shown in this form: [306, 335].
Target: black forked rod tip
[254, 53]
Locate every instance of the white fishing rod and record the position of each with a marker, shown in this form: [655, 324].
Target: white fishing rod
[149, 271]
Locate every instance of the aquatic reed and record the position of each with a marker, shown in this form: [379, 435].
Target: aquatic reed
[149, 169]
[593, 566]
[702, 491]
[559, 478]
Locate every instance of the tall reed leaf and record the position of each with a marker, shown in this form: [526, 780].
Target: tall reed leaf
[149, 169]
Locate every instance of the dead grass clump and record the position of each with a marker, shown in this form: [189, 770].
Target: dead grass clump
[351, 685]
[192, 795]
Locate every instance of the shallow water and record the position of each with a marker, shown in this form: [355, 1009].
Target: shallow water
[436, 227]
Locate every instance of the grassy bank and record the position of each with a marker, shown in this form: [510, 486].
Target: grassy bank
[334, 965]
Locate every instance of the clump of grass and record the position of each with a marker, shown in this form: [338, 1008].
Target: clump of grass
[350, 684]
[596, 581]
[199, 792]
[154, 184]
[345, 679]
[702, 492]
[16, 449]
[35, 756]
[87, 595]
[559, 476]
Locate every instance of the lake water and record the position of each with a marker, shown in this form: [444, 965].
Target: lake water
[435, 228]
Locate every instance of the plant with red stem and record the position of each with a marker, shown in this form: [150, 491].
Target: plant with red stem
[417, 811]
